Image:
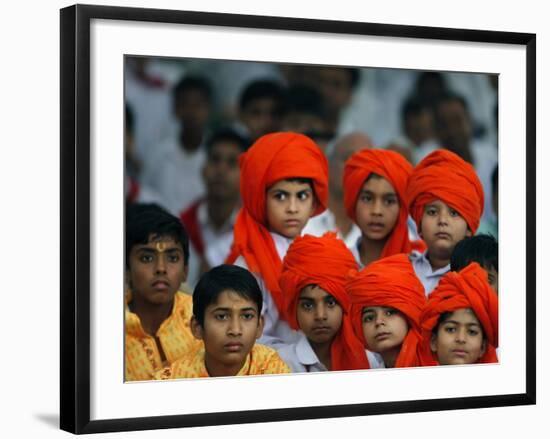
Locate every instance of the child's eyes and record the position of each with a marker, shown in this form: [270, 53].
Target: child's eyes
[146, 258]
[248, 316]
[303, 195]
[391, 312]
[174, 258]
[221, 316]
[279, 196]
[453, 212]
[306, 305]
[431, 212]
[473, 332]
[368, 318]
[366, 197]
[450, 329]
[331, 302]
[390, 201]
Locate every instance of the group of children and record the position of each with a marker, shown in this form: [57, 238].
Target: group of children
[283, 302]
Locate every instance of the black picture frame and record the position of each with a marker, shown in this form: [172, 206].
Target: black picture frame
[75, 217]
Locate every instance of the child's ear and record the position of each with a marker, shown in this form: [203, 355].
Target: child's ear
[433, 343]
[196, 328]
[468, 233]
[260, 329]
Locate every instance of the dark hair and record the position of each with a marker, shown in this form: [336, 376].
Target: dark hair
[414, 104]
[494, 179]
[482, 249]
[262, 89]
[304, 99]
[223, 278]
[452, 97]
[192, 83]
[144, 220]
[353, 75]
[227, 134]
[129, 118]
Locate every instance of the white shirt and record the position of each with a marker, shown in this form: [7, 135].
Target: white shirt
[424, 272]
[375, 360]
[301, 357]
[326, 222]
[276, 332]
[176, 174]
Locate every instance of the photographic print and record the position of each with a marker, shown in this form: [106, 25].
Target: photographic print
[291, 208]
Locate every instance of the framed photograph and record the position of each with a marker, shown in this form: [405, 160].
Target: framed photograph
[98, 44]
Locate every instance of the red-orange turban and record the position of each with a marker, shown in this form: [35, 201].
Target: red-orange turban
[396, 170]
[272, 158]
[468, 288]
[390, 282]
[324, 262]
[443, 175]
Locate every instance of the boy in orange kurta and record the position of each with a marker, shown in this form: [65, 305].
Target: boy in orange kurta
[157, 315]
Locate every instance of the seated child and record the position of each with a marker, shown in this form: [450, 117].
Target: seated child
[375, 181]
[460, 320]
[312, 281]
[227, 305]
[387, 300]
[482, 249]
[445, 199]
[157, 314]
[284, 181]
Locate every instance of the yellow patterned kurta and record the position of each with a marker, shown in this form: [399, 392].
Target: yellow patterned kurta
[141, 350]
[261, 360]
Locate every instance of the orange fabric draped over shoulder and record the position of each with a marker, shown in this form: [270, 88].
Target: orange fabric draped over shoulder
[390, 282]
[468, 288]
[324, 262]
[443, 175]
[396, 170]
[273, 157]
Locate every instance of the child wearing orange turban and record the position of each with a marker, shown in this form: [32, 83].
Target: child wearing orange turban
[387, 300]
[375, 181]
[460, 320]
[445, 199]
[284, 181]
[312, 280]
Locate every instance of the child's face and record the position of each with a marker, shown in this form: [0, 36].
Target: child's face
[377, 208]
[384, 328]
[156, 270]
[442, 228]
[261, 116]
[231, 326]
[459, 339]
[221, 172]
[319, 315]
[289, 206]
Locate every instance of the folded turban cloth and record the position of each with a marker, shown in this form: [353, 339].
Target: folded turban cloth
[443, 175]
[396, 170]
[467, 288]
[390, 282]
[273, 157]
[324, 262]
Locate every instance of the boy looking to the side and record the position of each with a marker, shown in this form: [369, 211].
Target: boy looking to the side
[284, 181]
[445, 199]
[227, 305]
[460, 320]
[157, 314]
[312, 280]
[482, 249]
[387, 300]
[375, 181]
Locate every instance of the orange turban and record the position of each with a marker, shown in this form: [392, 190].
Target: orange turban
[468, 288]
[324, 262]
[272, 158]
[443, 175]
[396, 170]
[390, 282]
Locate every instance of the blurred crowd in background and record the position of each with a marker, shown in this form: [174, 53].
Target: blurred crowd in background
[188, 120]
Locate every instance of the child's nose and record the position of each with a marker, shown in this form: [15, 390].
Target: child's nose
[235, 326]
[320, 312]
[292, 204]
[161, 265]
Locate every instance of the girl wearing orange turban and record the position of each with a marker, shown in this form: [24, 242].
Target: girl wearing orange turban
[284, 181]
[387, 300]
[375, 181]
[460, 320]
[312, 280]
[445, 199]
